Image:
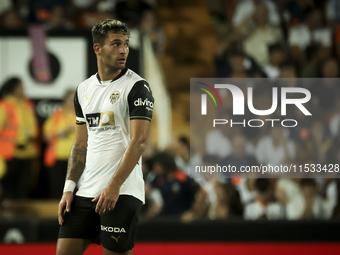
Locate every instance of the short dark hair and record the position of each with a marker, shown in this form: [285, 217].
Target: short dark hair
[9, 86]
[276, 47]
[166, 161]
[184, 140]
[100, 30]
[308, 182]
[262, 184]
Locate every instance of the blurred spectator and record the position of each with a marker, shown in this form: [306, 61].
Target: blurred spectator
[237, 63]
[11, 20]
[310, 69]
[277, 55]
[330, 68]
[177, 189]
[275, 149]
[334, 124]
[57, 20]
[40, 10]
[336, 210]
[231, 61]
[227, 204]
[181, 148]
[198, 209]
[206, 195]
[333, 12]
[18, 134]
[239, 155]
[302, 36]
[263, 34]
[337, 43]
[326, 91]
[287, 189]
[307, 206]
[288, 70]
[246, 189]
[329, 194]
[217, 141]
[5, 5]
[131, 11]
[93, 11]
[315, 148]
[301, 132]
[298, 10]
[59, 132]
[84, 4]
[245, 9]
[264, 207]
[150, 27]
[333, 156]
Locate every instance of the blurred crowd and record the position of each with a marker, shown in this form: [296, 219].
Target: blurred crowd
[258, 39]
[283, 38]
[65, 15]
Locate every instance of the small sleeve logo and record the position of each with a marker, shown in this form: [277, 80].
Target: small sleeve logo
[147, 87]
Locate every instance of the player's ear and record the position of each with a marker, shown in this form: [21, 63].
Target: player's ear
[97, 48]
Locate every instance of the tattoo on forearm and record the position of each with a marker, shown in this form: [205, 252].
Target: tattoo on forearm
[76, 162]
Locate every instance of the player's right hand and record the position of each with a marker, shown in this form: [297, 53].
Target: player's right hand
[65, 201]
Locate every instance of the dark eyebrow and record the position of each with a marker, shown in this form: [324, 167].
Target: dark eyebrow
[118, 40]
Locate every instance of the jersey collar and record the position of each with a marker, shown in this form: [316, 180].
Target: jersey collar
[117, 77]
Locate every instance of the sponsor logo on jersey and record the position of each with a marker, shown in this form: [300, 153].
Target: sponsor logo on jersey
[146, 87]
[114, 97]
[101, 121]
[141, 102]
[112, 229]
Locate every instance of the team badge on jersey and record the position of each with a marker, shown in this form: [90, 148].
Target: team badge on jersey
[114, 97]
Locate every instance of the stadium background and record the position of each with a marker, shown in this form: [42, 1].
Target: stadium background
[171, 42]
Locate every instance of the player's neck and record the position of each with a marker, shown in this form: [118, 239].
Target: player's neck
[107, 74]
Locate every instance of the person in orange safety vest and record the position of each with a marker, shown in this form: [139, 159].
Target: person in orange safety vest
[18, 134]
[59, 132]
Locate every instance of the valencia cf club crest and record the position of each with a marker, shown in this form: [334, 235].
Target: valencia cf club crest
[114, 97]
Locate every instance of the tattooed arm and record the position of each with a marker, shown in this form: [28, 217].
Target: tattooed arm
[75, 168]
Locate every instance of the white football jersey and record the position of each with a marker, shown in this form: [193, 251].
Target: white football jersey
[106, 107]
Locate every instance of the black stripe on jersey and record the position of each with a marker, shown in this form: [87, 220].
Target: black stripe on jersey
[141, 101]
[80, 122]
[77, 108]
[140, 118]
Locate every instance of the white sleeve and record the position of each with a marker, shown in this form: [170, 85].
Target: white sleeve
[275, 212]
[291, 149]
[299, 36]
[324, 37]
[295, 208]
[209, 144]
[248, 213]
[243, 10]
[156, 196]
[274, 17]
[259, 151]
[334, 125]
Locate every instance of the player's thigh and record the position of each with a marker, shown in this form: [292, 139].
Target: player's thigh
[72, 246]
[119, 226]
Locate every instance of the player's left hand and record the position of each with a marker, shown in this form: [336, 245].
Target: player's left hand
[107, 199]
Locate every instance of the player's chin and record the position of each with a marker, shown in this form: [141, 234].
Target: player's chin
[120, 65]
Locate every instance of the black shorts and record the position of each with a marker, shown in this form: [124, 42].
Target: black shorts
[116, 230]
